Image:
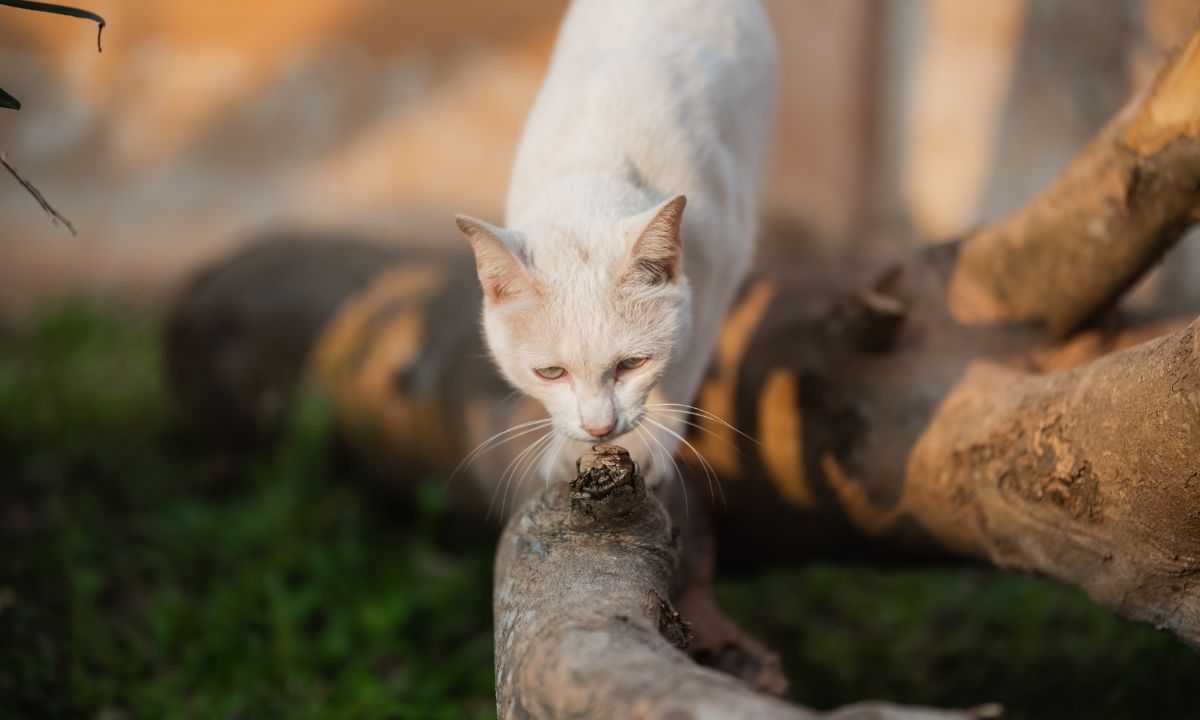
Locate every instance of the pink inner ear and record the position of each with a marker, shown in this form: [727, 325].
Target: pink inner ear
[501, 274]
[500, 290]
[651, 271]
[502, 277]
[656, 254]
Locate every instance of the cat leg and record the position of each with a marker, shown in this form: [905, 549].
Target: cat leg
[717, 642]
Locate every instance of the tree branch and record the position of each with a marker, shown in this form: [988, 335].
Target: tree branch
[9, 102]
[1090, 476]
[1123, 201]
[859, 454]
[583, 620]
[955, 442]
[55, 216]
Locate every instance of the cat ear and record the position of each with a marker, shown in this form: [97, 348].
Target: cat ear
[657, 254]
[502, 273]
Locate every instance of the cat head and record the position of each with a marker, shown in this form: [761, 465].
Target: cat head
[588, 324]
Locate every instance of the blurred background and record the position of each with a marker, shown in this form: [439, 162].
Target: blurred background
[146, 576]
[203, 122]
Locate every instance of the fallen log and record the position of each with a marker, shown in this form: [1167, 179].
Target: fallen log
[870, 440]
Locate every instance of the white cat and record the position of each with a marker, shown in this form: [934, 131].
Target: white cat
[601, 292]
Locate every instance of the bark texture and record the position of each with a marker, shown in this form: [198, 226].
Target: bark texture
[954, 441]
[1091, 476]
[583, 622]
[1112, 214]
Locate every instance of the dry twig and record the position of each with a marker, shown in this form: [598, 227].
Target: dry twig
[55, 216]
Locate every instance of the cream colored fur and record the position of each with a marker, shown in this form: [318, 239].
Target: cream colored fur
[646, 103]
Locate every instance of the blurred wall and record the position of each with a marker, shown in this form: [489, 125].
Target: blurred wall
[204, 122]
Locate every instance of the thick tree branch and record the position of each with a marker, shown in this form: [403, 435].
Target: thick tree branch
[953, 442]
[1090, 476]
[583, 620]
[866, 449]
[1124, 200]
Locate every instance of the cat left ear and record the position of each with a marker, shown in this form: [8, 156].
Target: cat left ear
[657, 254]
[501, 272]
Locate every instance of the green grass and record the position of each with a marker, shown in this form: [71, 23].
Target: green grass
[959, 638]
[145, 574]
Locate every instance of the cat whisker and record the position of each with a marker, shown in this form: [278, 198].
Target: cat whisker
[520, 461]
[494, 442]
[484, 446]
[709, 472]
[701, 428]
[646, 444]
[511, 463]
[536, 462]
[700, 412]
[679, 477]
[544, 461]
[552, 460]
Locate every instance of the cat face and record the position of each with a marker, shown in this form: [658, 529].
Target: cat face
[585, 324]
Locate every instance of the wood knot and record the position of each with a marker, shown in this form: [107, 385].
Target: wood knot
[877, 320]
[873, 318]
[608, 484]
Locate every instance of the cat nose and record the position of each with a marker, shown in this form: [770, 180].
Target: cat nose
[599, 432]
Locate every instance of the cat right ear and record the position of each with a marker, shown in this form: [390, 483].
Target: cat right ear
[501, 272]
[657, 254]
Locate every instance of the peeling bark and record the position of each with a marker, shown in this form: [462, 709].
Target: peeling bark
[1090, 476]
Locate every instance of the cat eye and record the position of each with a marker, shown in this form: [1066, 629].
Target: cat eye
[632, 363]
[550, 373]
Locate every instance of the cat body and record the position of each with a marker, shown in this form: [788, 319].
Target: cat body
[631, 213]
